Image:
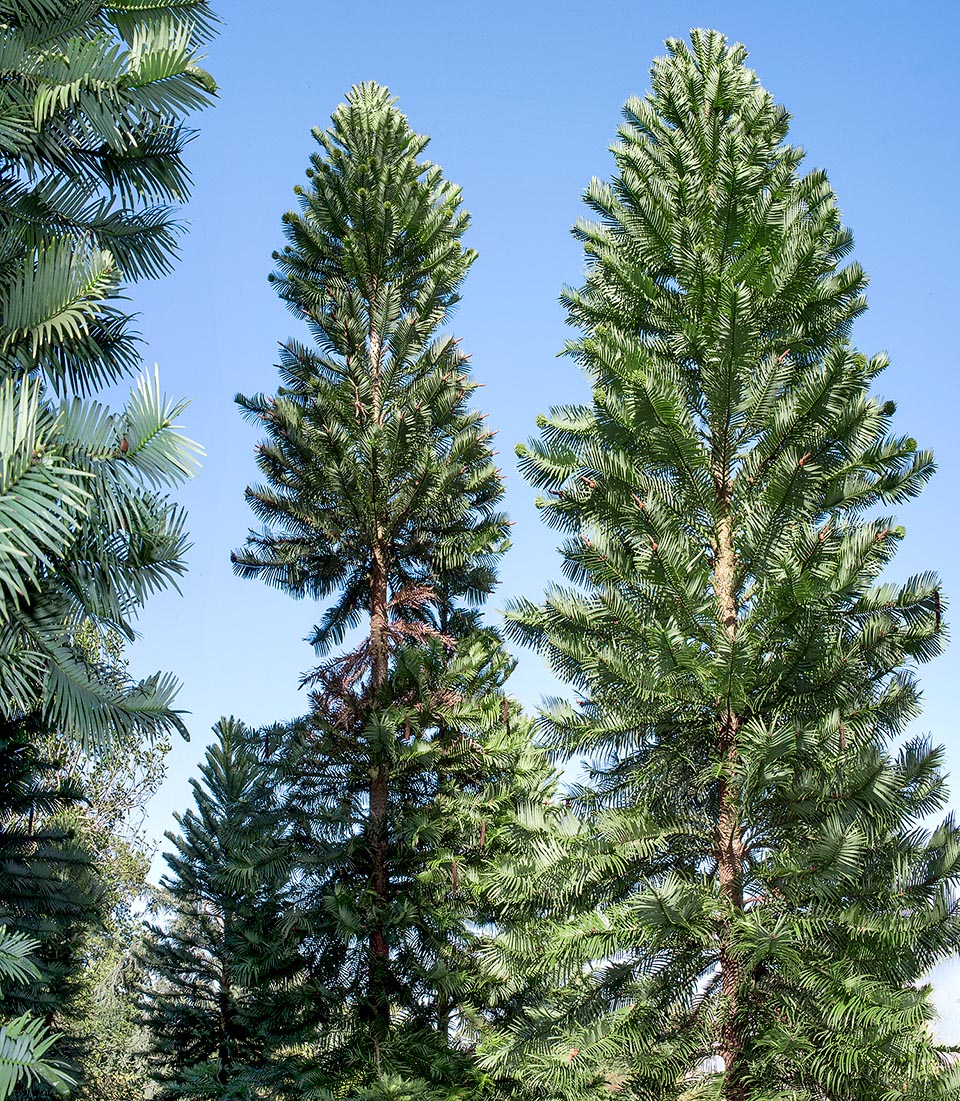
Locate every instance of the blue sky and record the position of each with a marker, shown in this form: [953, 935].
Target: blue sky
[522, 101]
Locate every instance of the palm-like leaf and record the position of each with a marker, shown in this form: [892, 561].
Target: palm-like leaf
[24, 1041]
[52, 297]
[92, 103]
[90, 544]
[24, 1044]
[42, 497]
[15, 962]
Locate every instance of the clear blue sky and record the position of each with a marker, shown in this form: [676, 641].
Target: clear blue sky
[522, 101]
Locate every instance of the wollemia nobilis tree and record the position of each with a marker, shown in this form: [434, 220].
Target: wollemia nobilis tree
[759, 893]
[381, 498]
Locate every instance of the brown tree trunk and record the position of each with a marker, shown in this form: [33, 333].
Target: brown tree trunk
[379, 791]
[225, 995]
[729, 848]
[378, 994]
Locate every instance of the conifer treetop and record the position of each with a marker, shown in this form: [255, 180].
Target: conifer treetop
[372, 450]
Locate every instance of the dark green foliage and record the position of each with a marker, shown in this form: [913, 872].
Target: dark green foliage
[24, 1040]
[91, 144]
[115, 1045]
[372, 451]
[92, 107]
[755, 885]
[49, 889]
[459, 775]
[72, 874]
[380, 497]
[117, 782]
[223, 996]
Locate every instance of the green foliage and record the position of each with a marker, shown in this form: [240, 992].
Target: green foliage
[114, 1045]
[392, 1088]
[755, 895]
[459, 776]
[49, 890]
[380, 497]
[24, 1040]
[49, 897]
[114, 541]
[92, 104]
[92, 107]
[223, 985]
[91, 137]
[99, 1022]
[370, 441]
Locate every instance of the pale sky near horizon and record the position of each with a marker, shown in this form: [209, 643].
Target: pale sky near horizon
[522, 101]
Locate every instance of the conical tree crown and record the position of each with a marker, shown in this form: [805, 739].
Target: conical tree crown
[223, 999]
[741, 669]
[378, 233]
[719, 486]
[371, 449]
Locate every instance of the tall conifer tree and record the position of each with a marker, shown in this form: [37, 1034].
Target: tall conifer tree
[381, 497]
[758, 897]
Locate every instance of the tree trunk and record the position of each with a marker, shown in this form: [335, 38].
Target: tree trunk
[379, 791]
[728, 839]
[375, 353]
[225, 996]
[378, 992]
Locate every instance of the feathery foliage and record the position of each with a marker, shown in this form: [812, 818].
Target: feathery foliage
[756, 896]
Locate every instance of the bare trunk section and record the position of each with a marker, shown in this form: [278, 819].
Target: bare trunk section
[375, 348]
[729, 849]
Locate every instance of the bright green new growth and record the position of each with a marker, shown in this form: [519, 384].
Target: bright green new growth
[757, 897]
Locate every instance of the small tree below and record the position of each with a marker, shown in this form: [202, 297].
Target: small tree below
[222, 999]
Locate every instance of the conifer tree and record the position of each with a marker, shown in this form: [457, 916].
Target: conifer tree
[222, 996]
[756, 892]
[380, 497]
